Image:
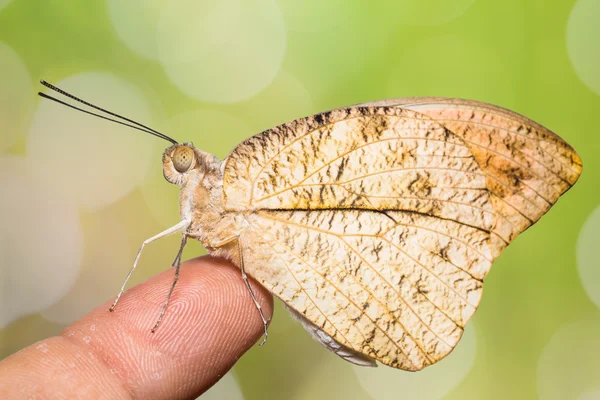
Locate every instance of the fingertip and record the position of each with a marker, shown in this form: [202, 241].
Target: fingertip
[210, 322]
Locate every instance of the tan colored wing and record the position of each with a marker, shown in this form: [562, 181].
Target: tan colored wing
[371, 158]
[397, 286]
[374, 223]
[527, 166]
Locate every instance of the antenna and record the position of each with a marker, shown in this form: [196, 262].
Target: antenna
[139, 127]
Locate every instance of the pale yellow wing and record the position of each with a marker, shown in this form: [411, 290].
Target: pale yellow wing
[527, 166]
[397, 287]
[374, 223]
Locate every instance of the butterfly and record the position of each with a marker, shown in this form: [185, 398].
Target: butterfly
[375, 224]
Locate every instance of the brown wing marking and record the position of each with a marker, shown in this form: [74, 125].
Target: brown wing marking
[528, 166]
[399, 292]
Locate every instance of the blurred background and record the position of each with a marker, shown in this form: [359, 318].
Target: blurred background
[78, 195]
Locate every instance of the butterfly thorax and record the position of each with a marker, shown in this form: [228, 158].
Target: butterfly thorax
[201, 201]
[201, 198]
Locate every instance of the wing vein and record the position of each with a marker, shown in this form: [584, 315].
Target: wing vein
[362, 235]
[253, 180]
[397, 170]
[300, 284]
[386, 239]
[300, 137]
[524, 184]
[539, 140]
[402, 297]
[448, 236]
[431, 272]
[299, 258]
[525, 167]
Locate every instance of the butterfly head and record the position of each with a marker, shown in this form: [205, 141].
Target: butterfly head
[179, 161]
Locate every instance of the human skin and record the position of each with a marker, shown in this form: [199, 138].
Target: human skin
[211, 321]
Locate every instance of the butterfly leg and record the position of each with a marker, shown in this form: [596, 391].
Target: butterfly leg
[256, 303]
[177, 265]
[246, 281]
[174, 229]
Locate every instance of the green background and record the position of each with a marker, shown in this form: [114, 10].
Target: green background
[217, 72]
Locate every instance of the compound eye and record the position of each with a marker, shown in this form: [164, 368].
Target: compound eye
[182, 158]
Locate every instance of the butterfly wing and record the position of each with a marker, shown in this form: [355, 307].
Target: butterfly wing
[376, 224]
[527, 166]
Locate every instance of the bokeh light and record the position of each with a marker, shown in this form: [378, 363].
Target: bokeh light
[107, 255]
[283, 100]
[412, 12]
[98, 162]
[4, 3]
[588, 263]
[569, 365]
[16, 96]
[330, 377]
[204, 23]
[583, 32]
[40, 241]
[136, 24]
[433, 382]
[226, 388]
[233, 61]
[591, 395]
[168, 27]
[442, 71]
[313, 15]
